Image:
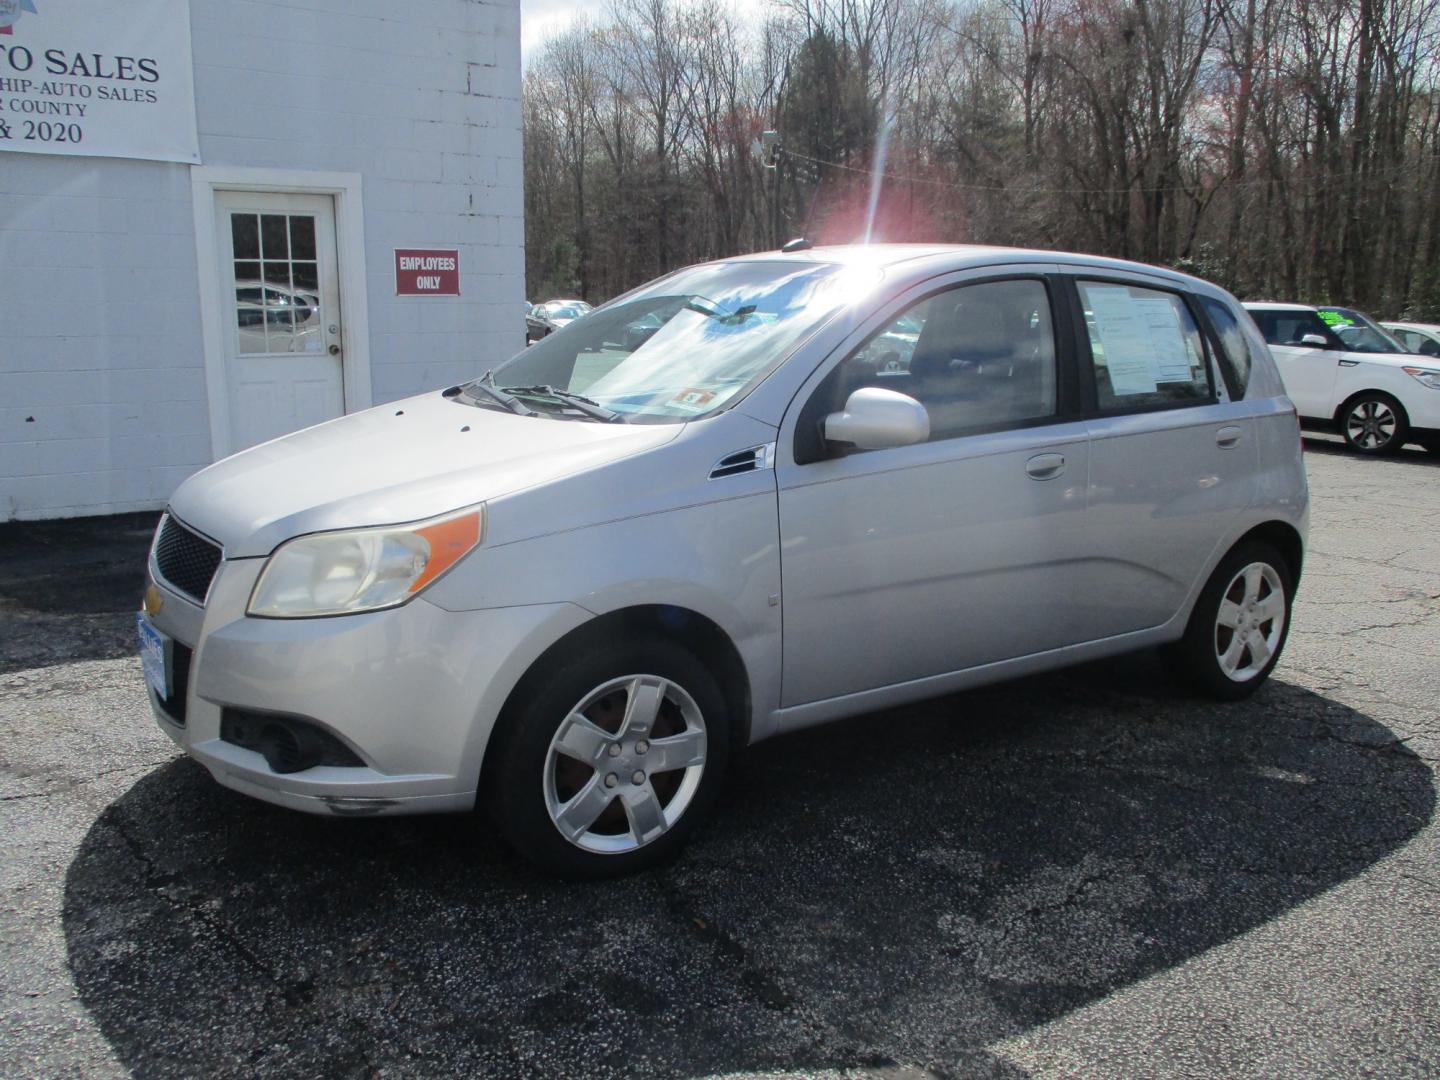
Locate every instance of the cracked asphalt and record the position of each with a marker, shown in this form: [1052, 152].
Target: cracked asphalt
[1086, 874]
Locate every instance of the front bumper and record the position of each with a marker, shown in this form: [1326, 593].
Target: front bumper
[414, 691]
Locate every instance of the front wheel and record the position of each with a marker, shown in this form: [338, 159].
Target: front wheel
[1374, 423]
[611, 761]
[1239, 625]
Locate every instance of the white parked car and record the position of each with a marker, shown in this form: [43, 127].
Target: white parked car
[1347, 374]
[570, 589]
[1420, 338]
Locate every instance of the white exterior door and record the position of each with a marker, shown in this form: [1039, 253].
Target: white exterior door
[282, 328]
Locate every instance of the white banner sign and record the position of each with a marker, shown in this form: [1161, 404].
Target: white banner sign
[98, 78]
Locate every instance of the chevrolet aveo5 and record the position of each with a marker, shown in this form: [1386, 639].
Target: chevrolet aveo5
[828, 482]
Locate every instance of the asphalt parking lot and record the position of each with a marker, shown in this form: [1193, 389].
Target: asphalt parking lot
[1086, 874]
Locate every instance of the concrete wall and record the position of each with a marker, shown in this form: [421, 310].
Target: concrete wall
[102, 383]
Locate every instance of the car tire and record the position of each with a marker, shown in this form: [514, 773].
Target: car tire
[1374, 423]
[574, 786]
[1232, 641]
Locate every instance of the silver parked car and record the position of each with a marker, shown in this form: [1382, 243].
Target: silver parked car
[570, 590]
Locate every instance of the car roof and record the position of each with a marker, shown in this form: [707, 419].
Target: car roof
[942, 257]
[1271, 305]
[1431, 327]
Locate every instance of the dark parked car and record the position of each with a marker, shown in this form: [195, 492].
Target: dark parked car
[544, 319]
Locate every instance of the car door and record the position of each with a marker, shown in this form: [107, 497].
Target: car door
[1308, 370]
[1173, 460]
[914, 561]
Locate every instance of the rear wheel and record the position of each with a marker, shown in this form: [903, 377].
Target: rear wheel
[1239, 625]
[1374, 423]
[612, 760]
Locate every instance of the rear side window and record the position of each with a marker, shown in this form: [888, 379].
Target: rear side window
[1290, 327]
[1234, 346]
[1146, 349]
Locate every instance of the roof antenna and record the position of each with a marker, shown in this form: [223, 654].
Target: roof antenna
[798, 244]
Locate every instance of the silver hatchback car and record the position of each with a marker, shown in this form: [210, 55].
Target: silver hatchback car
[829, 481]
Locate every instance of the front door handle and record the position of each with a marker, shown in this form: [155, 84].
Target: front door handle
[1045, 466]
[1227, 437]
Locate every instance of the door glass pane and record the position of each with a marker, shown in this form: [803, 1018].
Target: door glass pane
[978, 357]
[277, 273]
[274, 236]
[1145, 347]
[245, 232]
[302, 237]
[305, 277]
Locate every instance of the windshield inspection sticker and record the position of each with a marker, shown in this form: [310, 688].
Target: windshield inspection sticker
[692, 400]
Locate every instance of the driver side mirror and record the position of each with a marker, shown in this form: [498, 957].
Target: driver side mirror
[876, 419]
[1315, 341]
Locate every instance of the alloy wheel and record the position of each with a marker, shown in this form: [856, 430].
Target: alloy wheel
[1250, 621]
[625, 763]
[1371, 424]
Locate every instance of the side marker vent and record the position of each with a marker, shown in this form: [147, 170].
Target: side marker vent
[753, 459]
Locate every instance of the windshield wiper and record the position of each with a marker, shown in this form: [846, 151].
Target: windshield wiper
[486, 384]
[575, 401]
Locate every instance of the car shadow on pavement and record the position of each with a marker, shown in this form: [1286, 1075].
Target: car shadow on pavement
[1334, 445]
[903, 889]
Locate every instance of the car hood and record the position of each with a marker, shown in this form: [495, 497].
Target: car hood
[400, 462]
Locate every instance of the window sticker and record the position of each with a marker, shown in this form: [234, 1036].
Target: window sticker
[1142, 340]
[1334, 319]
[1124, 335]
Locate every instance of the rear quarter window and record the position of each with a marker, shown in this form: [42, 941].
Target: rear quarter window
[1235, 358]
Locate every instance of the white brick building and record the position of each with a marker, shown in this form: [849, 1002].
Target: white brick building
[155, 316]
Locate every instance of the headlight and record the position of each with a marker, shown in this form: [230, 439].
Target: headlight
[340, 573]
[1426, 376]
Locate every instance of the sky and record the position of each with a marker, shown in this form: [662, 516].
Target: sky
[541, 18]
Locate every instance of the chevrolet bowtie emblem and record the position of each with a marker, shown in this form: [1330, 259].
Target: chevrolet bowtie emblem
[153, 601]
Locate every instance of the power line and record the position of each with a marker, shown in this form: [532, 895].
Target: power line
[1312, 180]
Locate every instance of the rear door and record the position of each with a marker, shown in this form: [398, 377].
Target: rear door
[1309, 371]
[1172, 459]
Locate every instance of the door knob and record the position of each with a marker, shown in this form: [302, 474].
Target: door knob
[334, 350]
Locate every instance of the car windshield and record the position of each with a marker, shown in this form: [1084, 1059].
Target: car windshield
[686, 344]
[1358, 332]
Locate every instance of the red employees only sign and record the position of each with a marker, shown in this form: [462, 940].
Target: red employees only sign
[427, 272]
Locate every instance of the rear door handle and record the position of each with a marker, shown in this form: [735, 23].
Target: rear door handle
[1045, 466]
[1227, 436]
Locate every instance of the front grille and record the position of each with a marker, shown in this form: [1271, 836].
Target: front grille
[185, 559]
[174, 705]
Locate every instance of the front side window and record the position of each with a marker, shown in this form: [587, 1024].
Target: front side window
[978, 357]
[682, 346]
[1145, 347]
